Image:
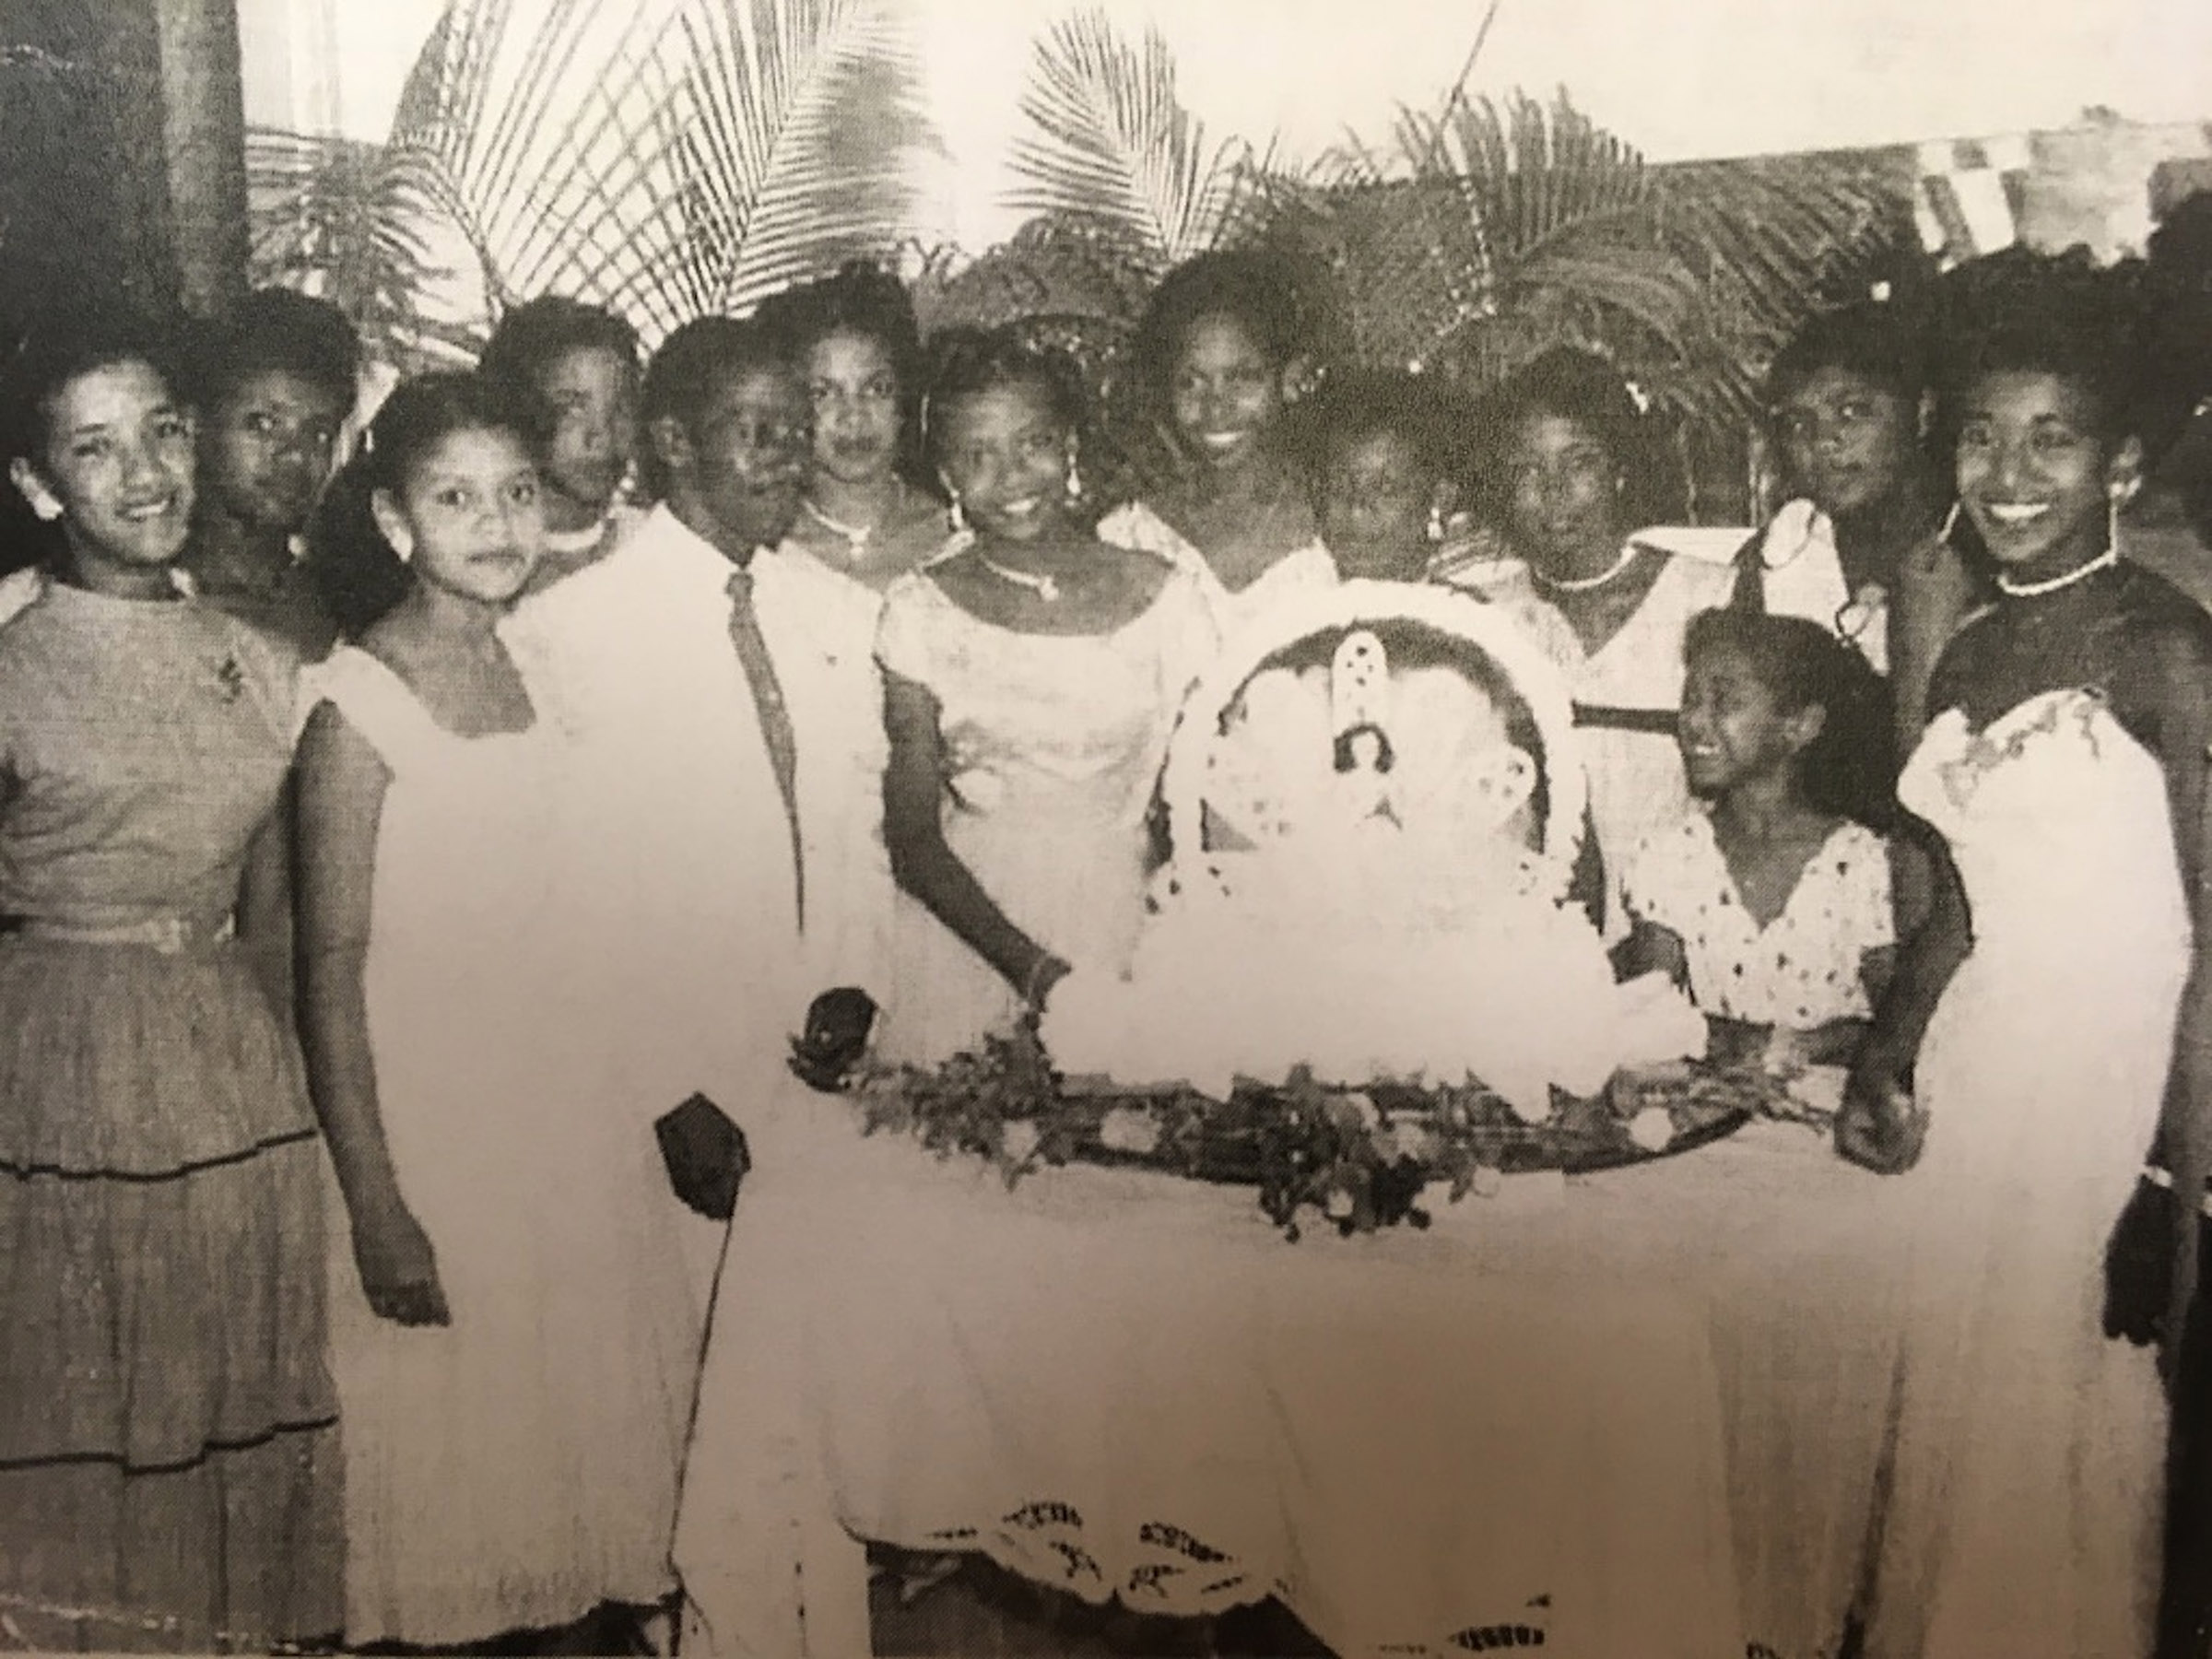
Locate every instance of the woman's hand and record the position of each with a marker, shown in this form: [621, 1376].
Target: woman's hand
[1045, 973]
[1879, 1127]
[399, 1268]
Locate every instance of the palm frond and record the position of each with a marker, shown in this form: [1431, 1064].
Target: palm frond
[1108, 138]
[799, 120]
[667, 159]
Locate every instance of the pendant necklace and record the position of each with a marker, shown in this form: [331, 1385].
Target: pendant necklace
[856, 535]
[1045, 587]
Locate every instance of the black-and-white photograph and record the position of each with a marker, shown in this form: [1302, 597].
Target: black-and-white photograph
[1106, 829]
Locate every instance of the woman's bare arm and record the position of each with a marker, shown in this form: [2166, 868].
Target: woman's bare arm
[921, 861]
[340, 799]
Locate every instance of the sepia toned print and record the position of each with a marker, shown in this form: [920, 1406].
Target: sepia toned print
[927, 828]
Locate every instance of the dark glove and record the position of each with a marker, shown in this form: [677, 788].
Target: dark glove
[838, 1025]
[706, 1155]
[2138, 1266]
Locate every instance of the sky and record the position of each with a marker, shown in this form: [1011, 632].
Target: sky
[1676, 78]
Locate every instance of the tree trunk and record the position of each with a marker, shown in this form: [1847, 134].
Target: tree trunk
[203, 140]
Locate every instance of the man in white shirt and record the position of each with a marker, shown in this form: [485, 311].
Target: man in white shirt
[727, 722]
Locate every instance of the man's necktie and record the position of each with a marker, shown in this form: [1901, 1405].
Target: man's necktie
[775, 718]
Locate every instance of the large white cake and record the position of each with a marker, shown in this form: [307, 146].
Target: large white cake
[1370, 874]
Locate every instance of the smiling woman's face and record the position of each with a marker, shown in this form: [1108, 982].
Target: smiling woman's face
[119, 458]
[2037, 469]
[1004, 458]
[1223, 392]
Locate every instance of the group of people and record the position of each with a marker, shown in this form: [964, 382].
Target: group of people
[409, 880]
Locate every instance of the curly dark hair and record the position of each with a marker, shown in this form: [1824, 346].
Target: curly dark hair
[1429, 415]
[1588, 389]
[863, 300]
[1883, 342]
[275, 329]
[71, 341]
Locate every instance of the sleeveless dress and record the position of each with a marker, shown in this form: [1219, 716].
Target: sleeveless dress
[517, 1468]
[1053, 748]
[168, 1448]
[2027, 1478]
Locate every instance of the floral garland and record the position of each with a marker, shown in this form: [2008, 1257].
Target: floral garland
[1362, 1158]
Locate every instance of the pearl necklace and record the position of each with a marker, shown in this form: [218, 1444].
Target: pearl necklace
[1588, 584]
[2080, 572]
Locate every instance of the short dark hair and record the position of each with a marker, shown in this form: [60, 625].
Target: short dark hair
[71, 341]
[691, 366]
[423, 412]
[279, 329]
[1355, 405]
[1873, 340]
[972, 363]
[536, 333]
[1587, 389]
[2056, 314]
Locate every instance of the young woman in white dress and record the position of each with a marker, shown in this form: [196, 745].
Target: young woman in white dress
[863, 513]
[1579, 470]
[1032, 675]
[513, 1361]
[2024, 1053]
[1218, 358]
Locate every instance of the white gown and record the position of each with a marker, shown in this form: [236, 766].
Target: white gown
[2025, 1494]
[519, 1466]
[1052, 747]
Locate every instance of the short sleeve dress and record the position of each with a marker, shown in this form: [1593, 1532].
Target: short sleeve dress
[1801, 969]
[1052, 747]
[168, 1447]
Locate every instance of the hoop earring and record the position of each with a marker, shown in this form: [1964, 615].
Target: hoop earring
[1075, 479]
[1436, 522]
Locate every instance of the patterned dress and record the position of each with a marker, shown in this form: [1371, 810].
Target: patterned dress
[168, 1454]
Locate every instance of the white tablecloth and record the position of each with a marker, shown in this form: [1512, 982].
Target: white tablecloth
[1639, 1412]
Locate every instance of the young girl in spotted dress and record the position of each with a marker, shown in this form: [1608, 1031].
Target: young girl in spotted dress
[1772, 900]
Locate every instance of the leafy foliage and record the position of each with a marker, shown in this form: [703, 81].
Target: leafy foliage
[1362, 1158]
[1491, 232]
[1110, 141]
[674, 158]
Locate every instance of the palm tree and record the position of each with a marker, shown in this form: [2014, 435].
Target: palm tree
[1477, 235]
[674, 158]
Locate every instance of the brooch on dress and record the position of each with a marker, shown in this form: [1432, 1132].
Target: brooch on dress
[232, 678]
